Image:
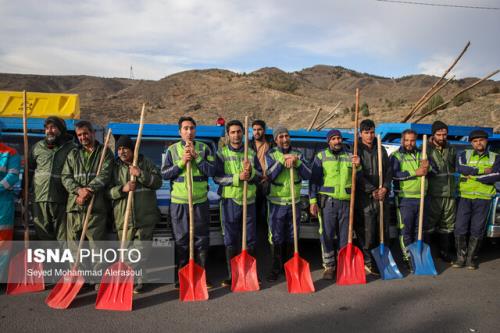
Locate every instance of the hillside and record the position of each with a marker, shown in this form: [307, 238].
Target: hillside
[268, 93]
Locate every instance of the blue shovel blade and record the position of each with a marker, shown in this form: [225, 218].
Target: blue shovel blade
[385, 263]
[421, 258]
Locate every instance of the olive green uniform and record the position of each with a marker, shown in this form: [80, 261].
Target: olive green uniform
[79, 171]
[49, 195]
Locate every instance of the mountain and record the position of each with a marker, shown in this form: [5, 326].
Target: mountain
[291, 99]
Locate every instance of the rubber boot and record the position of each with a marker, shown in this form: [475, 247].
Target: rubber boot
[472, 253]
[277, 266]
[181, 257]
[201, 259]
[445, 245]
[461, 246]
[230, 253]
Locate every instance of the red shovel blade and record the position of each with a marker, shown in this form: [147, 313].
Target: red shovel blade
[192, 283]
[351, 266]
[24, 277]
[298, 275]
[116, 289]
[65, 291]
[244, 273]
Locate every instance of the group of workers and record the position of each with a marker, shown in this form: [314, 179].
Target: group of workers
[64, 177]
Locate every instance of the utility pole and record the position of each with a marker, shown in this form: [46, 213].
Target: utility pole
[131, 73]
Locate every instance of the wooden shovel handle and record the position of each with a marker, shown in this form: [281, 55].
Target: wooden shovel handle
[26, 171]
[189, 182]
[91, 204]
[130, 197]
[353, 177]
[422, 191]
[245, 193]
[380, 185]
[294, 213]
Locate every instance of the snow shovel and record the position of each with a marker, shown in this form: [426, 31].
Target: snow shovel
[244, 266]
[351, 266]
[19, 280]
[298, 274]
[420, 252]
[117, 284]
[383, 256]
[66, 289]
[192, 277]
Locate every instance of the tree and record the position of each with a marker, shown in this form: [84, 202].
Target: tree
[365, 110]
[433, 103]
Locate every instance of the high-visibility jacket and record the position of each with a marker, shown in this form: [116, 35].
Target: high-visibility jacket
[472, 186]
[229, 165]
[174, 170]
[332, 175]
[404, 165]
[46, 165]
[279, 176]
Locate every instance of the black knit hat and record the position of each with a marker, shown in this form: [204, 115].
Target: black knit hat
[57, 122]
[475, 134]
[125, 141]
[438, 125]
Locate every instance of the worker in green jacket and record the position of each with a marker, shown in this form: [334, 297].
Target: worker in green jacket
[174, 169]
[145, 213]
[407, 169]
[46, 161]
[231, 171]
[442, 189]
[80, 180]
[479, 170]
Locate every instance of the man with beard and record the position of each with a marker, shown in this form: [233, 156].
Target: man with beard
[145, 212]
[80, 180]
[407, 168]
[442, 187]
[329, 197]
[261, 146]
[479, 169]
[10, 165]
[174, 169]
[46, 161]
[231, 170]
[369, 195]
[280, 160]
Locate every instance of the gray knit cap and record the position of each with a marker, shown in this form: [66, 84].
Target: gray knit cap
[279, 130]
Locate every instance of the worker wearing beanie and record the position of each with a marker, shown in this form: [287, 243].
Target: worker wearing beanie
[329, 197]
[46, 161]
[280, 160]
[442, 189]
[145, 213]
[479, 169]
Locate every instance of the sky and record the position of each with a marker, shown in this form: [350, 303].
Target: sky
[161, 37]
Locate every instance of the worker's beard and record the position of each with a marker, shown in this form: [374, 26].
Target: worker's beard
[51, 139]
[337, 147]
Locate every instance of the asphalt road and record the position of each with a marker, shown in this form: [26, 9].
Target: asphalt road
[457, 300]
